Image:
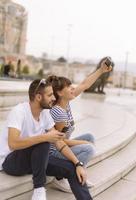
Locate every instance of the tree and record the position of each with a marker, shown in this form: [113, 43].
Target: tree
[40, 73]
[25, 69]
[1, 69]
[62, 59]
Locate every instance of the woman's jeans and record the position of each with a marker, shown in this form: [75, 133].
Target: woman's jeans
[84, 152]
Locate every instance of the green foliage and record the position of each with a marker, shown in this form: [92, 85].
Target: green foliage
[1, 69]
[12, 68]
[40, 73]
[25, 69]
[62, 59]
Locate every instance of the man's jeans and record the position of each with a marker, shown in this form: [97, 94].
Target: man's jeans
[35, 160]
[84, 152]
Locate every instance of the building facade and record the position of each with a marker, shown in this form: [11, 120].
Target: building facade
[13, 29]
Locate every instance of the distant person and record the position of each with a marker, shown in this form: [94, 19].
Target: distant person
[7, 69]
[18, 70]
[25, 144]
[81, 146]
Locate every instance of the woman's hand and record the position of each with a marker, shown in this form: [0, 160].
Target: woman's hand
[104, 68]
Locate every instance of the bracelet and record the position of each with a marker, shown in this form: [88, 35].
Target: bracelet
[62, 147]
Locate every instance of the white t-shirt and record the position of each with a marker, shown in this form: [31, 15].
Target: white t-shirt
[22, 119]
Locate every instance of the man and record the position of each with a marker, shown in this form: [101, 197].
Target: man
[25, 144]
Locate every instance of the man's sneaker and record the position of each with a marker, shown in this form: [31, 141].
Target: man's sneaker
[62, 185]
[89, 184]
[39, 194]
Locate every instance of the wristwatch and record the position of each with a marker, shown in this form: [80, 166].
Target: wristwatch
[79, 164]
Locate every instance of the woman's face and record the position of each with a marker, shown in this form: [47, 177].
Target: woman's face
[67, 93]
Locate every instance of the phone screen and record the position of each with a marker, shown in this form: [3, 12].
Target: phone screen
[108, 62]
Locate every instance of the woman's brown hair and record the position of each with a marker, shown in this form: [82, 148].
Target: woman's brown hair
[58, 83]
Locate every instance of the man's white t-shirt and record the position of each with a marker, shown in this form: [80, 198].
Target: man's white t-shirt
[22, 119]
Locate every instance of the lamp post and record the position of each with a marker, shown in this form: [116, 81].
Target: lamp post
[52, 46]
[125, 70]
[69, 30]
[52, 40]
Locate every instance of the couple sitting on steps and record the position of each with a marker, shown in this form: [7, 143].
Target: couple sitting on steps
[36, 138]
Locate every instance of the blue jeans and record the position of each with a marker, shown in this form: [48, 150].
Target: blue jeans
[84, 152]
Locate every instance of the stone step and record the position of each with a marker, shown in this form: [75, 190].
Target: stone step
[103, 175]
[124, 189]
[112, 143]
[13, 92]
[24, 183]
[8, 99]
[14, 85]
[114, 129]
[4, 113]
[106, 146]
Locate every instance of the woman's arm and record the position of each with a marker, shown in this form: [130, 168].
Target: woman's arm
[71, 142]
[60, 125]
[92, 78]
[66, 151]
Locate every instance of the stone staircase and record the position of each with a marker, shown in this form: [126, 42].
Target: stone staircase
[112, 170]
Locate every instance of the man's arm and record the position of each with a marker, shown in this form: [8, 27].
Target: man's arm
[16, 142]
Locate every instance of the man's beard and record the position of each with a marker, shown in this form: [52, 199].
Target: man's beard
[43, 105]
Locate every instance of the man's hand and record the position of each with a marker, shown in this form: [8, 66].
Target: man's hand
[81, 174]
[53, 136]
[104, 68]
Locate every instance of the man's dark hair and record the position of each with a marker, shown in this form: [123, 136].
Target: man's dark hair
[37, 87]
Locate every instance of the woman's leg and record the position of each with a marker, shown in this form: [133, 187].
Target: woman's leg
[84, 153]
[87, 136]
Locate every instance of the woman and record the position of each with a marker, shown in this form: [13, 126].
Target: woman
[82, 147]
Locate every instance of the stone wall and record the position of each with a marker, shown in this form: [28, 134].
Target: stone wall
[13, 25]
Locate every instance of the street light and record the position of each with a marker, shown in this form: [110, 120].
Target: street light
[52, 46]
[69, 29]
[125, 70]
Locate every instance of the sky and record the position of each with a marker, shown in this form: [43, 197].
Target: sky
[86, 29]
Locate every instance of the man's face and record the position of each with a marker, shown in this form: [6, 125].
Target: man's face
[47, 98]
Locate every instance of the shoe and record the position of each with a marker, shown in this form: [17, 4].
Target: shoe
[89, 184]
[62, 185]
[39, 194]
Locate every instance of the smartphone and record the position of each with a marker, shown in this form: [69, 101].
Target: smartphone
[108, 62]
[65, 129]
